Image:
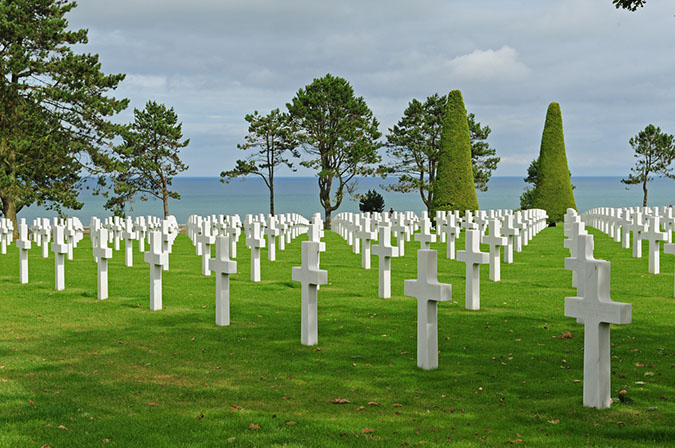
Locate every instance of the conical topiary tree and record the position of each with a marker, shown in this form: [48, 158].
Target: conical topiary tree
[553, 191]
[454, 186]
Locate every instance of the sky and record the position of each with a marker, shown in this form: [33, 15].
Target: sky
[214, 61]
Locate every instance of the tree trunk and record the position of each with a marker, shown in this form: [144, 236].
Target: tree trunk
[644, 189]
[165, 200]
[326, 222]
[9, 210]
[271, 176]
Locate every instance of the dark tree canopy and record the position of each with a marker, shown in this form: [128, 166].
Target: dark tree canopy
[149, 157]
[413, 145]
[270, 140]
[454, 187]
[630, 5]
[339, 132]
[655, 152]
[371, 202]
[53, 107]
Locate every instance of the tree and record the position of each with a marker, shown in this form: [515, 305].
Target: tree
[553, 186]
[413, 144]
[339, 131]
[149, 157]
[371, 202]
[654, 152]
[54, 111]
[454, 187]
[273, 136]
[533, 178]
[630, 5]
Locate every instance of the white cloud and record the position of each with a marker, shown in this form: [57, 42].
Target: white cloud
[489, 65]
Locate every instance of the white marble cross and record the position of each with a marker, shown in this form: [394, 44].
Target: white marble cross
[129, 235]
[223, 267]
[495, 240]
[473, 258]
[272, 233]
[425, 237]
[399, 229]
[310, 277]
[23, 244]
[428, 292]
[255, 241]
[205, 239]
[654, 236]
[116, 230]
[102, 253]
[385, 251]
[46, 231]
[512, 234]
[233, 232]
[451, 231]
[60, 248]
[669, 249]
[637, 227]
[576, 229]
[366, 236]
[597, 310]
[157, 258]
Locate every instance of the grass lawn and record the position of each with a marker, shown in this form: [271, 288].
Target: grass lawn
[75, 371]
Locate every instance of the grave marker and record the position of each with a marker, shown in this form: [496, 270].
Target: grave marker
[223, 267]
[473, 258]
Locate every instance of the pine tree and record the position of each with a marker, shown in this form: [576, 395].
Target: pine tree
[553, 191]
[454, 185]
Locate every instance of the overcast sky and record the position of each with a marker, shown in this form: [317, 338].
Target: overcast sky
[214, 61]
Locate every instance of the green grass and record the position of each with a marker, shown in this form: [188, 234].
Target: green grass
[76, 371]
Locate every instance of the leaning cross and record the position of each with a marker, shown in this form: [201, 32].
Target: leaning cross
[597, 310]
[473, 258]
[428, 292]
[223, 267]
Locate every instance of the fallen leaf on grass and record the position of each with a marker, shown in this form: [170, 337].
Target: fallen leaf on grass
[253, 426]
[235, 407]
[566, 335]
[63, 427]
[290, 422]
[397, 405]
[360, 408]
[554, 422]
[515, 441]
[200, 416]
[373, 403]
[340, 400]
[367, 430]
[153, 404]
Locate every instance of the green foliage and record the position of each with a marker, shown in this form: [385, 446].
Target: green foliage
[149, 157]
[655, 152]
[630, 5]
[527, 197]
[53, 107]
[272, 136]
[339, 132]
[413, 145]
[553, 187]
[454, 187]
[371, 202]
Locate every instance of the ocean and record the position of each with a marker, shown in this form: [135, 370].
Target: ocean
[207, 195]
